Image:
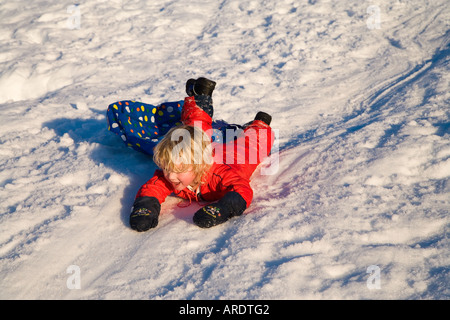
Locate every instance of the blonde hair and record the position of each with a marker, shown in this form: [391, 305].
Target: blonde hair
[184, 148]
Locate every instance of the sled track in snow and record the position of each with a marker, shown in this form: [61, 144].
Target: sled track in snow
[381, 97]
[371, 107]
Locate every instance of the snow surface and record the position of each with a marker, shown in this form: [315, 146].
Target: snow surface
[358, 207]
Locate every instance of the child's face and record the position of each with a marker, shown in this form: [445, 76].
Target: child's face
[180, 180]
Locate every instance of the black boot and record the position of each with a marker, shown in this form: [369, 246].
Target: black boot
[200, 87]
[190, 87]
[264, 117]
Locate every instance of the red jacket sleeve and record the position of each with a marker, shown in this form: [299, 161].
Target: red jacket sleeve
[157, 187]
[228, 180]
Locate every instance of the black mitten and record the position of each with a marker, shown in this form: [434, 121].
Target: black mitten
[145, 213]
[231, 205]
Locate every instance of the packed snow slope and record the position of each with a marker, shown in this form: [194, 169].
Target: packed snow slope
[356, 205]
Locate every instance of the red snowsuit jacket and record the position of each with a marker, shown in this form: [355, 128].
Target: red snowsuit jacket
[229, 172]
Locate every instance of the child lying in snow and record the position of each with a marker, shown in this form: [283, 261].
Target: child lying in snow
[194, 168]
